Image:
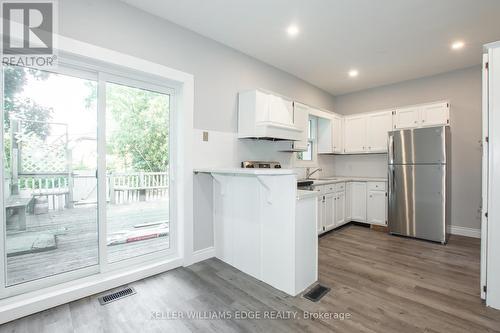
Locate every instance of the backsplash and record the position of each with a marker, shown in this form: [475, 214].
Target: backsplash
[373, 165]
[224, 149]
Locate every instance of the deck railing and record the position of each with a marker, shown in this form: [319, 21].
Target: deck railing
[63, 190]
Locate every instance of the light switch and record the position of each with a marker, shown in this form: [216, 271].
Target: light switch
[205, 136]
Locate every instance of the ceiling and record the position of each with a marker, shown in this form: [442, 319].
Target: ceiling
[387, 41]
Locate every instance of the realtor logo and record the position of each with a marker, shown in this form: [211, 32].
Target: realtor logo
[28, 29]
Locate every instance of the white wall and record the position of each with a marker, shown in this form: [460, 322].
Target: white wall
[219, 72]
[463, 89]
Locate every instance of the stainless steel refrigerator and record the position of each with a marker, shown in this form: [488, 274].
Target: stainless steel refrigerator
[419, 167]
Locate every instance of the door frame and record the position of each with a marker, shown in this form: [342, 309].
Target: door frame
[181, 183]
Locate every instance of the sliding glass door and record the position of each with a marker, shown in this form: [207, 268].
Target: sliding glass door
[137, 163]
[86, 174]
[49, 173]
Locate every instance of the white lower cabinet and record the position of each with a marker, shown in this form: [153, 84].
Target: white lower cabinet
[340, 208]
[358, 201]
[329, 209]
[376, 209]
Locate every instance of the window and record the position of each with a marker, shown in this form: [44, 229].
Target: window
[308, 157]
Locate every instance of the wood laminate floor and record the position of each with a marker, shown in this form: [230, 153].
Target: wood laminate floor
[383, 283]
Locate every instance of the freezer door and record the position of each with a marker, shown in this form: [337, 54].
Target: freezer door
[417, 196]
[418, 146]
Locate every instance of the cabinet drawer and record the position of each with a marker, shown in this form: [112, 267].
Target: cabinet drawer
[329, 188]
[320, 189]
[340, 187]
[377, 186]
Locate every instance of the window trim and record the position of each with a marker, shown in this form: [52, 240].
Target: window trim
[314, 146]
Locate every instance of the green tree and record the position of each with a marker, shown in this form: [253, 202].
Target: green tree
[139, 127]
[15, 79]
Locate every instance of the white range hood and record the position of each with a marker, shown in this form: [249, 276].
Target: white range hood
[264, 115]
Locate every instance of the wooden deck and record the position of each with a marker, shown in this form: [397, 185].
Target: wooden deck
[76, 231]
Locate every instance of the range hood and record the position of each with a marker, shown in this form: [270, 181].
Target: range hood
[267, 116]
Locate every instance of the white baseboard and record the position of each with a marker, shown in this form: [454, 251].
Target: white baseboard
[464, 231]
[201, 255]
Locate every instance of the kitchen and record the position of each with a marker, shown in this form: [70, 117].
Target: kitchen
[265, 116]
[333, 160]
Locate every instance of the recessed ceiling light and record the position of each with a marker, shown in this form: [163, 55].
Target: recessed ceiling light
[292, 30]
[353, 73]
[458, 45]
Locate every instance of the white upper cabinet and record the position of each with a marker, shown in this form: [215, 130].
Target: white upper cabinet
[377, 126]
[324, 135]
[280, 110]
[355, 134]
[301, 120]
[432, 114]
[264, 115]
[435, 114]
[338, 134]
[367, 133]
[407, 117]
[330, 133]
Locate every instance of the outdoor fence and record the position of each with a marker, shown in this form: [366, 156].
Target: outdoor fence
[64, 190]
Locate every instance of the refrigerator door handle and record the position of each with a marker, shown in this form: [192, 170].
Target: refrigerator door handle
[391, 148]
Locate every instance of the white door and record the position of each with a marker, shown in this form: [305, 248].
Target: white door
[301, 121]
[337, 135]
[329, 217]
[435, 114]
[340, 209]
[378, 125]
[355, 134]
[358, 201]
[376, 207]
[408, 117]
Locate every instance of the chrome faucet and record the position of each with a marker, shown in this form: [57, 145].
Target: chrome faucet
[309, 173]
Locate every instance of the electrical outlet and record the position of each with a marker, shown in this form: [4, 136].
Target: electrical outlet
[205, 136]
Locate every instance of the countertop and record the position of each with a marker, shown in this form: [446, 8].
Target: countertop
[335, 179]
[243, 171]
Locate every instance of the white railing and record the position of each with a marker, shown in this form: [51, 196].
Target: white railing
[137, 186]
[63, 190]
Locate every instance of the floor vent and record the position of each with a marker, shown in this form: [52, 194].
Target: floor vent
[128, 291]
[316, 293]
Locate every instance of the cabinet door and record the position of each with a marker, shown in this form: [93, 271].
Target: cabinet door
[324, 136]
[340, 209]
[354, 134]
[377, 207]
[408, 117]
[358, 201]
[329, 218]
[378, 125]
[301, 121]
[337, 135]
[280, 110]
[321, 215]
[348, 196]
[435, 114]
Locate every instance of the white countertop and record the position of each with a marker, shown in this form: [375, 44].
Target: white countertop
[243, 171]
[346, 179]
